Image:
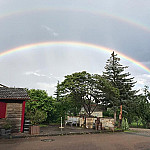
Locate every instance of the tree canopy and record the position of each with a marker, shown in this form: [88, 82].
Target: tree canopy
[40, 101]
[87, 89]
[115, 73]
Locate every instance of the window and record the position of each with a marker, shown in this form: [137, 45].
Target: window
[2, 110]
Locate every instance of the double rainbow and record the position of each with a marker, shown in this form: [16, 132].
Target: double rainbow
[70, 43]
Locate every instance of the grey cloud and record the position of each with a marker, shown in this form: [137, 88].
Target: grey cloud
[50, 30]
[42, 67]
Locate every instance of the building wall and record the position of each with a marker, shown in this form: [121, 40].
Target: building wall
[2, 122]
[107, 123]
[97, 114]
[14, 114]
[2, 110]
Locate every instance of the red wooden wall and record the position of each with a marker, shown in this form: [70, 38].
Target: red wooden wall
[2, 110]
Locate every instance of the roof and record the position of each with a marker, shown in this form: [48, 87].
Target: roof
[93, 106]
[1, 85]
[13, 93]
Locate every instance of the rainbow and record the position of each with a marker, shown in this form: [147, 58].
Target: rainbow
[74, 44]
[96, 13]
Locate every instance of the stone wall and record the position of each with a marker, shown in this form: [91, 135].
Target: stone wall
[107, 123]
[90, 122]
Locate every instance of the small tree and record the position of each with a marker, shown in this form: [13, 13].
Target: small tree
[42, 102]
[124, 124]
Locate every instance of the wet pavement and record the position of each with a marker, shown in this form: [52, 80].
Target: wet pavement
[140, 132]
[102, 141]
[55, 131]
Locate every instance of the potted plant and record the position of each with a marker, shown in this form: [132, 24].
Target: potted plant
[36, 118]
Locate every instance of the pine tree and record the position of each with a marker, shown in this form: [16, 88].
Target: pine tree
[57, 92]
[114, 72]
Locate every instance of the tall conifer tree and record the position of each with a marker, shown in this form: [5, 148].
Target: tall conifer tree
[115, 73]
[57, 92]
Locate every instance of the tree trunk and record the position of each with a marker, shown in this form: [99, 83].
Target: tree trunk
[89, 114]
[114, 116]
[120, 116]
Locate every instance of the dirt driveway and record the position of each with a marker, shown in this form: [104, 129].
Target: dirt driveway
[107, 141]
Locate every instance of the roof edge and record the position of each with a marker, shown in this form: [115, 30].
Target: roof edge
[15, 98]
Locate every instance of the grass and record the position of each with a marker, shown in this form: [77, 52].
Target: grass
[43, 125]
[118, 129]
[134, 125]
[130, 131]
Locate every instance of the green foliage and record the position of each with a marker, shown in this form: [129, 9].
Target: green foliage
[64, 105]
[42, 102]
[108, 113]
[36, 117]
[124, 124]
[7, 124]
[127, 125]
[51, 109]
[136, 123]
[84, 89]
[142, 109]
[114, 72]
[58, 93]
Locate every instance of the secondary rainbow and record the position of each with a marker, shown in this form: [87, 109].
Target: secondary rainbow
[98, 13]
[74, 44]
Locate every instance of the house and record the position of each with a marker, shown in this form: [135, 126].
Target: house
[1, 85]
[12, 106]
[96, 113]
[90, 121]
[83, 118]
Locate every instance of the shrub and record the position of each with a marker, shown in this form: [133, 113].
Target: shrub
[124, 124]
[7, 124]
[36, 117]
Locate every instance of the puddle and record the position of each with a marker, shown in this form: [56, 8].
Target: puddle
[47, 140]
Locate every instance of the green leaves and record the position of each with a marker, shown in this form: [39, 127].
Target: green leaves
[87, 89]
[36, 117]
[142, 109]
[119, 79]
[40, 103]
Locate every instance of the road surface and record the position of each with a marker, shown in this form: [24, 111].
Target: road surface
[103, 141]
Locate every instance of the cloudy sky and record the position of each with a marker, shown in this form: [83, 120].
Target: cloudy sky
[120, 25]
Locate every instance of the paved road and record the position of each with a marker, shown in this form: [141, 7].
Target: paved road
[109, 141]
[142, 132]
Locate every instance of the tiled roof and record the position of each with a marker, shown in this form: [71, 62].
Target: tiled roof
[1, 85]
[13, 93]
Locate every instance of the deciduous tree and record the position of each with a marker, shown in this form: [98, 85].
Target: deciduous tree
[86, 89]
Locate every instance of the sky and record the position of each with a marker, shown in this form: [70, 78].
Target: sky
[75, 32]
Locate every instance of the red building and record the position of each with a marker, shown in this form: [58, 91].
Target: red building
[12, 106]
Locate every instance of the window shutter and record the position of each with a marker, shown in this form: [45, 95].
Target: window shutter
[2, 110]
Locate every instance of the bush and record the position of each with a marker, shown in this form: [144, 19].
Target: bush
[36, 117]
[7, 124]
[108, 113]
[124, 124]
